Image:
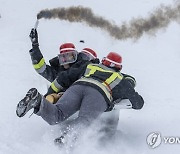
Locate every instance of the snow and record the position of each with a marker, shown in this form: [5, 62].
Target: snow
[153, 60]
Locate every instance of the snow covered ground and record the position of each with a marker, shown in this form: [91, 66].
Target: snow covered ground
[153, 60]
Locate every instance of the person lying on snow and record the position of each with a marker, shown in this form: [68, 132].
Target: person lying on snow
[95, 89]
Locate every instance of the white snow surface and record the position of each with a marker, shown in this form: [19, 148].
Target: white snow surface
[153, 60]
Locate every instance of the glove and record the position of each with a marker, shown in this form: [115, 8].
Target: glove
[131, 80]
[34, 37]
[53, 98]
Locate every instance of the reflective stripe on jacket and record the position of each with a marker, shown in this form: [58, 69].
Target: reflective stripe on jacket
[103, 77]
[49, 72]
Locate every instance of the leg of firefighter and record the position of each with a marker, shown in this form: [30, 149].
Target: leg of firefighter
[109, 121]
[92, 106]
[66, 106]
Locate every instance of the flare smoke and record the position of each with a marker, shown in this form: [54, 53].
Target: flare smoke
[159, 19]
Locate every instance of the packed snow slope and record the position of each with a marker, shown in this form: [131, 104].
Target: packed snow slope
[153, 60]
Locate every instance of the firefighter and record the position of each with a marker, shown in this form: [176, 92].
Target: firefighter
[96, 89]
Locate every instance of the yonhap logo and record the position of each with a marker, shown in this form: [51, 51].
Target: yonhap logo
[154, 139]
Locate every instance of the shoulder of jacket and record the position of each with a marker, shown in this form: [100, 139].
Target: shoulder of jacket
[54, 62]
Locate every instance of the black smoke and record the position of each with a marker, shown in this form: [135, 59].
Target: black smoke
[134, 29]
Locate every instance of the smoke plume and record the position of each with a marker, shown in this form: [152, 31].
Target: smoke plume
[136, 27]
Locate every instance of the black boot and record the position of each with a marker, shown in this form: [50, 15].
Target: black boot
[31, 100]
[60, 141]
[66, 139]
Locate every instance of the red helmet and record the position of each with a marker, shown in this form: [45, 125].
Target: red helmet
[113, 59]
[68, 53]
[66, 47]
[88, 54]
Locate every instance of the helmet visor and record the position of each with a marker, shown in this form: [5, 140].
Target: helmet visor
[86, 56]
[67, 57]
